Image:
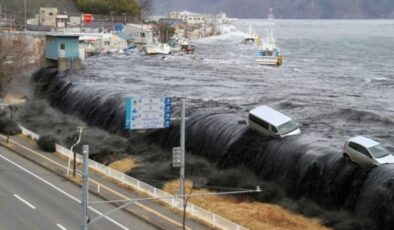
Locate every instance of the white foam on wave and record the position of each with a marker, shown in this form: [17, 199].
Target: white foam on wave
[229, 32]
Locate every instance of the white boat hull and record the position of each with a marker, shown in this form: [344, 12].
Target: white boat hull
[267, 60]
[157, 49]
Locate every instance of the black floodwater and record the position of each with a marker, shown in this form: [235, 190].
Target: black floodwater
[337, 80]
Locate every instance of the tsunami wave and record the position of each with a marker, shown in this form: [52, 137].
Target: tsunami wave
[297, 164]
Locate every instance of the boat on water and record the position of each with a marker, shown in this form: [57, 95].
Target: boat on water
[268, 52]
[251, 37]
[129, 50]
[182, 45]
[186, 47]
[156, 47]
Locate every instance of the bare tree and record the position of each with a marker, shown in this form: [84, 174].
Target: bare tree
[15, 55]
[13, 108]
[146, 7]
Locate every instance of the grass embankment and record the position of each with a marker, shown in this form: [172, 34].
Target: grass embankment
[253, 215]
[123, 165]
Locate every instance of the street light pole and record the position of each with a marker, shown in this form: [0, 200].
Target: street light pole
[182, 168]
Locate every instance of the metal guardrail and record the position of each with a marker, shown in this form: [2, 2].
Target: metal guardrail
[27, 132]
[215, 220]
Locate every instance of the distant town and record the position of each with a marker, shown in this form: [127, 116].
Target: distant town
[109, 33]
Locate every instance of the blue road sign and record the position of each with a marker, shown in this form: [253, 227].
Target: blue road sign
[148, 113]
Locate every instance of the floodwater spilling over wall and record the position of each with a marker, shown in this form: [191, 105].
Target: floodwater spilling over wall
[99, 108]
[299, 165]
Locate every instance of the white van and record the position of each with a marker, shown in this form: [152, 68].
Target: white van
[270, 122]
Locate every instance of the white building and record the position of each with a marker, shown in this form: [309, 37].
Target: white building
[61, 21]
[47, 16]
[188, 17]
[50, 17]
[101, 42]
[142, 34]
[218, 18]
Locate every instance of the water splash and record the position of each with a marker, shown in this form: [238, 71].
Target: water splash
[297, 164]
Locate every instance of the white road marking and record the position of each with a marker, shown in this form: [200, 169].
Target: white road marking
[24, 201]
[103, 186]
[61, 227]
[61, 191]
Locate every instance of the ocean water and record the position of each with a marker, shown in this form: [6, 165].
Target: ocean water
[337, 81]
[337, 78]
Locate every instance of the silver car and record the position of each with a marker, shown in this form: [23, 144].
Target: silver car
[365, 152]
[270, 122]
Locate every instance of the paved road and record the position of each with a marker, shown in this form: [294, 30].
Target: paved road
[32, 197]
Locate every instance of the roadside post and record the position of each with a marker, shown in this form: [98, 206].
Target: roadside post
[85, 188]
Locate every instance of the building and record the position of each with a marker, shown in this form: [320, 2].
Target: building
[61, 21]
[112, 42]
[188, 17]
[63, 51]
[142, 33]
[47, 17]
[8, 24]
[171, 22]
[98, 42]
[178, 24]
[217, 18]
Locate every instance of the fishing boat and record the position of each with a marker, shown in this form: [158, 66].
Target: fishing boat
[186, 47]
[156, 47]
[268, 53]
[251, 37]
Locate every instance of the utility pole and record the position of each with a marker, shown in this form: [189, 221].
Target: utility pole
[112, 20]
[125, 19]
[25, 14]
[182, 168]
[5, 18]
[12, 18]
[85, 187]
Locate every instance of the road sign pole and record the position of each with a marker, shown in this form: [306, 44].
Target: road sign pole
[85, 187]
[182, 168]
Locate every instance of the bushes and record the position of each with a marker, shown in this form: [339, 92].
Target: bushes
[7, 125]
[107, 6]
[47, 143]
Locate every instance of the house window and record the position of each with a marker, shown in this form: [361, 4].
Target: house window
[142, 35]
[50, 14]
[62, 46]
[106, 42]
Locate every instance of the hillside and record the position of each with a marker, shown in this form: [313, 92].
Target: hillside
[292, 9]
